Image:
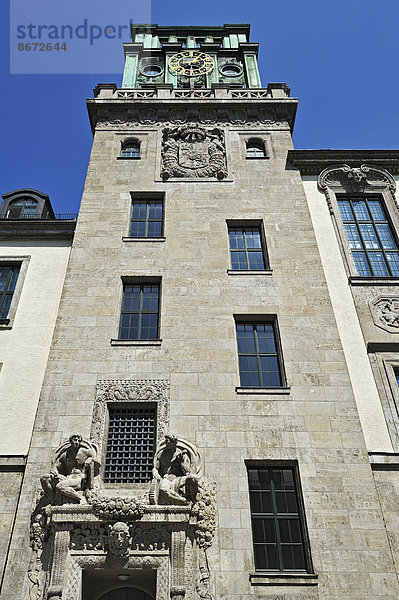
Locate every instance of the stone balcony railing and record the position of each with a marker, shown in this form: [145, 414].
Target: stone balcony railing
[217, 92]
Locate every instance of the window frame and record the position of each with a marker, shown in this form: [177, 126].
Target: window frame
[334, 181]
[134, 280]
[384, 364]
[367, 197]
[257, 143]
[24, 201]
[147, 199]
[294, 466]
[125, 144]
[259, 320]
[254, 223]
[23, 262]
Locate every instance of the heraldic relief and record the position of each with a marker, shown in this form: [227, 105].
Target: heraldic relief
[80, 525]
[192, 150]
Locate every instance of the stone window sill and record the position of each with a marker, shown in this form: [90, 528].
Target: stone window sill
[115, 342]
[260, 578]
[143, 239]
[128, 157]
[250, 272]
[277, 390]
[356, 280]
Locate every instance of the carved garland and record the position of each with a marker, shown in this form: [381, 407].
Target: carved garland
[133, 390]
[355, 179]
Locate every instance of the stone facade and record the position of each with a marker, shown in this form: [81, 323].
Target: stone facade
[192, 374]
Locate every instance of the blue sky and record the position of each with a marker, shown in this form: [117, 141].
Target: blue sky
[339, 57]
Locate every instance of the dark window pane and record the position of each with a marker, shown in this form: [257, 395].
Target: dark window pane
[272, 558]
[288, 560]
[299, 558]
[8, 280]
[256, 506]
[260, 557]
[258, 531]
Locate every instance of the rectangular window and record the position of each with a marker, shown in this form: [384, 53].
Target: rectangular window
[370, 235]
[140, 311]
[246, 249]
[130, 445]
[8, 280]
[258, 354]
[278, 529]
[147, 218]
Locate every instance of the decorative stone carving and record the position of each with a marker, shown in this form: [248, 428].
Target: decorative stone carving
[119, 539]
[385, 313]
[177, 464]
[74, 470]
[355, 179]
[167, 529]
[134, 390]
[192, 150]
[111, 508]
[249, 115]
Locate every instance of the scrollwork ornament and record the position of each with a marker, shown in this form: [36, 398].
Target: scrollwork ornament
[366, 177]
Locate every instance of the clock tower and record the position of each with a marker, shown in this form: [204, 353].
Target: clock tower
[191, 57]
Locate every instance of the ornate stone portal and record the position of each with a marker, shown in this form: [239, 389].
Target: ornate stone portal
[168, 529]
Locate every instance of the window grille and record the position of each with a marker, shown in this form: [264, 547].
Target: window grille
[258, 355]
[8, 280]
[246, 248]
[370, 236]
[278, 527]
[147, 217]
[130, 445]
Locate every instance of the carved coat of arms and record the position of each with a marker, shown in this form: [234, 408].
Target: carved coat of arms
[191, 150]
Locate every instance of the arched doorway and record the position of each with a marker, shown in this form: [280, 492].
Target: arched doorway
[126, 594]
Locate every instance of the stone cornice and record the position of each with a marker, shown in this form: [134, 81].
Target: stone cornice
[312, 162]
[267, 106]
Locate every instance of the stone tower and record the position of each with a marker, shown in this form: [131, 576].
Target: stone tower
[197, 435]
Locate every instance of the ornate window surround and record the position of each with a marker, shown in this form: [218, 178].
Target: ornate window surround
[384, 365]
[130, 391]
[366, 179]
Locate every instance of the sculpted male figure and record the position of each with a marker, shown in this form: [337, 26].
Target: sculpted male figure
[172, 469]
[119, 539]
[69, 470]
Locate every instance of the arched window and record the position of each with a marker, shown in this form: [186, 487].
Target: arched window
[25, 208]
[131, 149]
[255, 149]
[126, 594]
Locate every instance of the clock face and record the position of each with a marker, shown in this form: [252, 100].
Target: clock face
[191, 63]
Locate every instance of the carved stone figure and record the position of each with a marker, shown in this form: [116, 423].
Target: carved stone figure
[119, 539]
[385, 312]
[176, 468]
[73, 471]
[192, 150]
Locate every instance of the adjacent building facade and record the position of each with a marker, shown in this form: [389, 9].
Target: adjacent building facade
[34, 252]
[218, 417]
